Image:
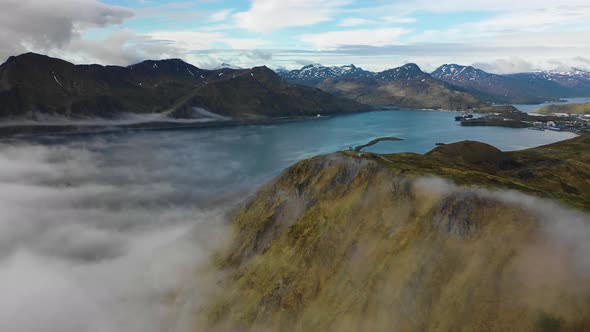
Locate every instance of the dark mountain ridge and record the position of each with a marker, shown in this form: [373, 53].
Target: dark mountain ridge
[33, 84]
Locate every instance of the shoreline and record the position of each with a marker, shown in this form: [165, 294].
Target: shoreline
[32, 130]
[38, 130]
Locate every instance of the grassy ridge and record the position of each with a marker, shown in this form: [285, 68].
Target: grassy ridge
[579, 108]
[349, 243]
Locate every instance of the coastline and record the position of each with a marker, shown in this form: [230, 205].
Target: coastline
[26, 130]
[35, 130]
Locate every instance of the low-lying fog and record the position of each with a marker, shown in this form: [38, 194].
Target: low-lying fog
[94, 239]
[97, 232]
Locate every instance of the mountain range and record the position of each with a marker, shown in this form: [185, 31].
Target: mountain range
[520, 88]
[406, 86]
[33, 85]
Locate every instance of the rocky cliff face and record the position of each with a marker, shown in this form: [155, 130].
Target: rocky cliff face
[373, 243]
[32, 85]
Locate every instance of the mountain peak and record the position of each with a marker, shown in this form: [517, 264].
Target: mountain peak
[409, 71]
[314, 74]
[411, 67]
[459, 73]
[31, 57]
[226, 65]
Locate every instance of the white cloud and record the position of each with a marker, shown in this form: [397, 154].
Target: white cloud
[51, 24]
[354, 21]
[506, 66]
[370, 37]
[244, 43]
[199, 40]
[88, 248]
[189, 40]
[452, 6]
[269, 15]
[125, 47]
[542, 32]
[399, 20]
[220, 16]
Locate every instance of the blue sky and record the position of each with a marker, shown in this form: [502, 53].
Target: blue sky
[499, 36]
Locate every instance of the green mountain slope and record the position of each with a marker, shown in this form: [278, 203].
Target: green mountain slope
[349, 242]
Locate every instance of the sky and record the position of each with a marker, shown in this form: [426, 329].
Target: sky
[500, 36]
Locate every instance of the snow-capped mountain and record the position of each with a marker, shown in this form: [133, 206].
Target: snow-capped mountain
[572, 74]
[407, 72]
[314, 74]
[575, 78]
[533, 87]
[405, 86]
[571, 83]
[454, 73]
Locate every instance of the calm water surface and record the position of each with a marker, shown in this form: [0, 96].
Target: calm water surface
[220, 160]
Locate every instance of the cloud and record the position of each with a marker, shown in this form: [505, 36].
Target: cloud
[122, 47]
[51, 24]
[57, 28]
[269, 15]
[220, 16]
[453, 6]
[538, 31]
[370, 37]
[399, 20]
[190, 40]
[200, 40]
[125, 47]
[173, 11]
[355, 21]
[583, 60]
[506, 66]
[85, 247]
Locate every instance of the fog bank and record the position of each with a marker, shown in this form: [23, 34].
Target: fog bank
[87, 245]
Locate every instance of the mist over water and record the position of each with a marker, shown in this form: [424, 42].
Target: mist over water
[88, 246]
[97, 233]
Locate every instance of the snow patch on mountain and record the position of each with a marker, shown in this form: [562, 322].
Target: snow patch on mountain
[315, 73]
